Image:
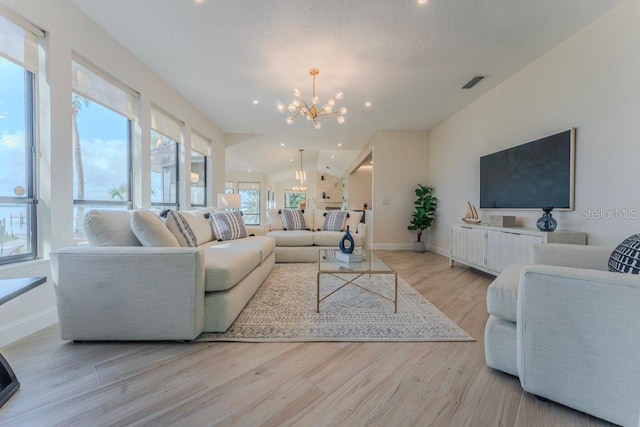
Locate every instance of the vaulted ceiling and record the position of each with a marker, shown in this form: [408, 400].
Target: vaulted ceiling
[409, 60]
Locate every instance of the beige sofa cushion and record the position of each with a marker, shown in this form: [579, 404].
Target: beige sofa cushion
[151, 230]
[332, 238]
[292, 237]
[226, 267]
[262, 244]
[109, 228]
[190, 228]
[502, 294]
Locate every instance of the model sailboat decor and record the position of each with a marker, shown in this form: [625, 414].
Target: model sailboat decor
[472, 215]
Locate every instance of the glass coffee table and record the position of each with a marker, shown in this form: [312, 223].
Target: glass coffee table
[370, 264]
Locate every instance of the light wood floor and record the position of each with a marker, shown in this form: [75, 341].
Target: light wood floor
[303, 384]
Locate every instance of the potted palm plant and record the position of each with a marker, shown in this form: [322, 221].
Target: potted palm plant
[423, 215]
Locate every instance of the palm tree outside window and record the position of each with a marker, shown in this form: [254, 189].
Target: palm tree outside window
[102, 111]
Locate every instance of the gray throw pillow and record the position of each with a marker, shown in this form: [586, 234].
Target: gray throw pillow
[626, 257]
[293, 219]
[228, 225]
[334, 221]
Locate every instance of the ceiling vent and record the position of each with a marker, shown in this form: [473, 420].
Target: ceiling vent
[474, 81]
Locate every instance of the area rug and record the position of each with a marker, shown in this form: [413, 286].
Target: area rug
[284, 310]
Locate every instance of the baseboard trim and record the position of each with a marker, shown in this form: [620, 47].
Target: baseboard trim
[27, 325]
[393, 246]
[440, 251]
[409, 247]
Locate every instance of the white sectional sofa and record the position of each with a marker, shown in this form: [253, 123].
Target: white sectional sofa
[303, 245]
[145, 285]
[570, 330]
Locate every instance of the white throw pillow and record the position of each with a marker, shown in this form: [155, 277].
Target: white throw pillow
[109, 228]
[151, 230]
[318, 219]
[353, 220]
[309, 215]
[190, 228]
[274, 219]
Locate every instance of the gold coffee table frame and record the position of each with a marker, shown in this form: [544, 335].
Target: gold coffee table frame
[369, 265]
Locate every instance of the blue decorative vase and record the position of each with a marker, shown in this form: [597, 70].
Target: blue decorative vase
[546, 221]
[346, 244]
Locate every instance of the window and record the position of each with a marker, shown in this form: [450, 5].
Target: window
[250, 202]
[18, 65]
[102, 113]
[199, 156]
[271, 198]
[166, 133]
[292, 199]
[229, 187]
[198, 179]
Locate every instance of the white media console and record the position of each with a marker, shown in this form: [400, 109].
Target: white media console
[491, 249]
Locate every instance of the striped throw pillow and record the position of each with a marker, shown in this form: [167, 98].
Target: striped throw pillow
[334, 221]
[179, 226]
[228, 225]
[293, 219]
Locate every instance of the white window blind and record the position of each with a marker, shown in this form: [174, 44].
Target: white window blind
[98, 87]
[200, 144]
[19, 40]
[163, 123]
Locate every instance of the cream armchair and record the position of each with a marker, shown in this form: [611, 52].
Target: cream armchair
[578, 332]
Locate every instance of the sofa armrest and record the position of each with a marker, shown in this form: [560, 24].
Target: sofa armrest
[257, 230]
[578, 339]
[129, 293]
[576, 256]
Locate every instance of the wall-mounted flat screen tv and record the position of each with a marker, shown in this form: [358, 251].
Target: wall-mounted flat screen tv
[533, 175]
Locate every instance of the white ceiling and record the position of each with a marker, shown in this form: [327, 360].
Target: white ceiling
[410, 61]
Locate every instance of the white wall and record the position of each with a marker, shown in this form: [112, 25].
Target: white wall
[590, 82]
[69, 30]
[332, 186]
[359, 187]
[400, 163]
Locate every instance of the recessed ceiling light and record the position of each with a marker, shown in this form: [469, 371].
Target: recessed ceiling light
[332, 156]
[291, 160]
[282, 144]
[198, 1]
[367, 104]
[256, 102]
[422, 2]
[339, 144]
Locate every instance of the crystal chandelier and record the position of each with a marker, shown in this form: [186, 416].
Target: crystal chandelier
[301, 176]
[300, 107]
